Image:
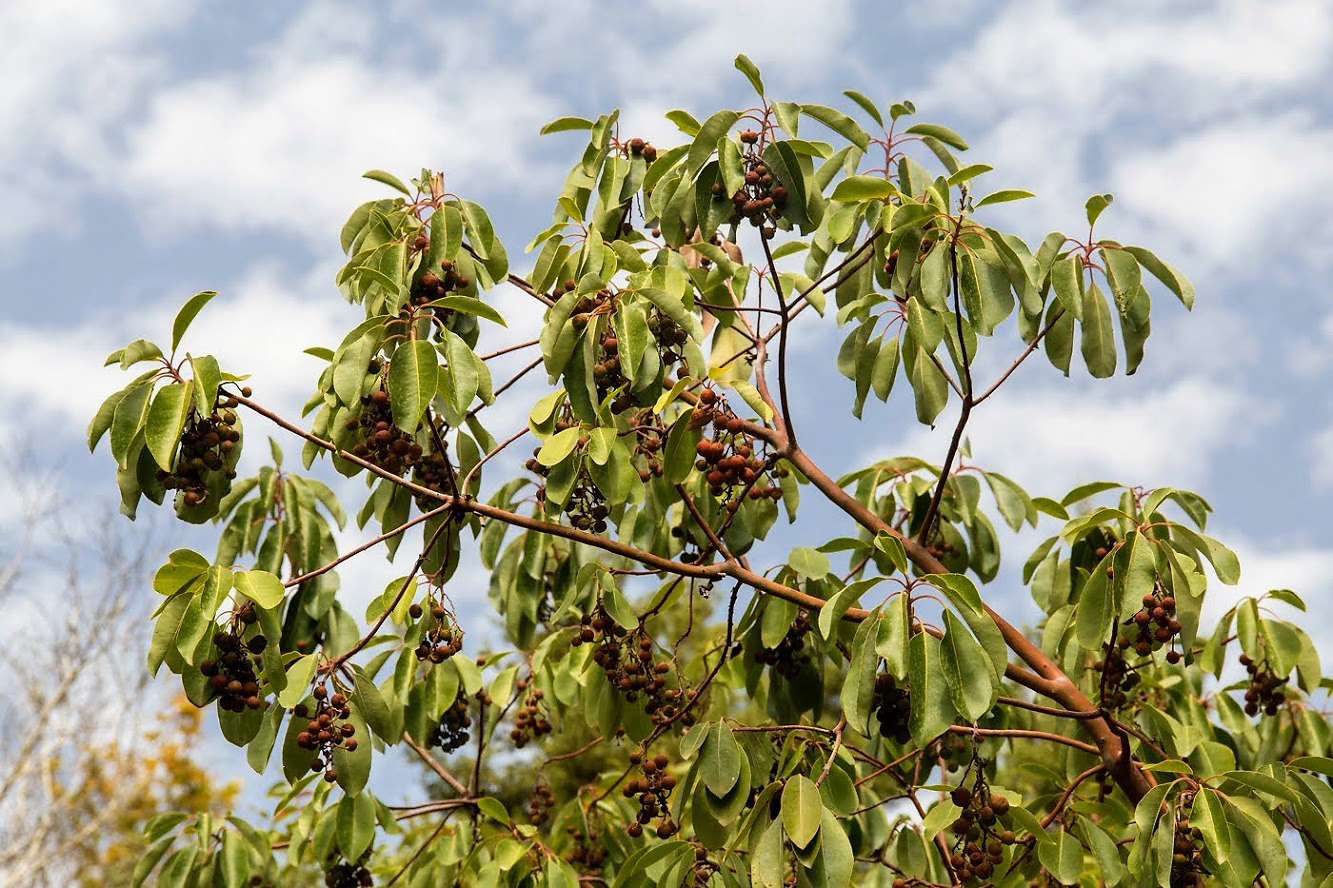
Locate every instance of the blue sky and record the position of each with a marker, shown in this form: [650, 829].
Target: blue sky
[154, 148]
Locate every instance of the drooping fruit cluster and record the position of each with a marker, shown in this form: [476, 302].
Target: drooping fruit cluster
[431, 286]
[762, 197]
[1117, 677]
[328, 729]
[231, 673]
[348, 874]
[608, 376]
[1187, 867]
[892, 706]
[530, 720]
[980, 830]
[451, 731]
[670, 336]
[639, 148]
[627, 659]
[649, 437]
[653, 790]
[433, 471]
[206, 444]
[953, 752]
[589, 852]
[729, 460]
[385, 445]
[1153, 625]
[703, 868]
[788, 657]
[443, 637]
[1265, 691]
[539, 806]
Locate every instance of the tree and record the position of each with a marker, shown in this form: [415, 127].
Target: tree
[82, 774]
[855, 712]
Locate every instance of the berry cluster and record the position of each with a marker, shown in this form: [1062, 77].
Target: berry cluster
[670, 336]
[953, 751]
[703, 868]
[231, 674]
[529, 720]
[788, 658]
[627, 659]
[327, 730]
[433, 471]
[450, 732]
[980, 830]
[431, 286]
[348, 874]
[639, 148]
[206, 444]
[539, 806]
[1117, 677]
[648, 441]
[607, 374]
[892, 706]
[762, 196]
[1153, 625]
[385, 445]
[1265, 691]
[443, 638]
[1187, 869]
[589, 852]
[652, 789]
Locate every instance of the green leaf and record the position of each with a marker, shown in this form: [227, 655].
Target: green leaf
[705, 141]
[1166, 274]
[128, 419]
[866, 105]
[299, 673]
[767, 866]
[751, 72]
[261, 587]
[840, 123]
[494, 809]
[413, 378]
[932, 708]
[786, 168]
[1208, 817]
[1110, 868]
[1095, 205]
[559, 446]
[809, 563]
[834, 864]
[166, 421]
[355, 825]
[944, 134]
[1063, 858]
[973, 684]
[1224, 561]
[387, 179]
[1003, 196]
[565, 124]
[720, 761]
[802, 810]
[854, 188]
[468, 305]
[1098, 343]
[187, 314]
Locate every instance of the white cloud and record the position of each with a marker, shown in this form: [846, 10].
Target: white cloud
[1236, 190]
[1321, 457]
[71, 69]
[1306, 570]
[283, 148]
[1050, 439]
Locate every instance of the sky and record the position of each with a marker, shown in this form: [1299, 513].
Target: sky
[155, 148]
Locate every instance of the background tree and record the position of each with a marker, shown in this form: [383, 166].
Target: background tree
[88, 763]
[853, 712]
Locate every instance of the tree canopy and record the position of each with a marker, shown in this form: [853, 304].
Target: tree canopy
[855, 712]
